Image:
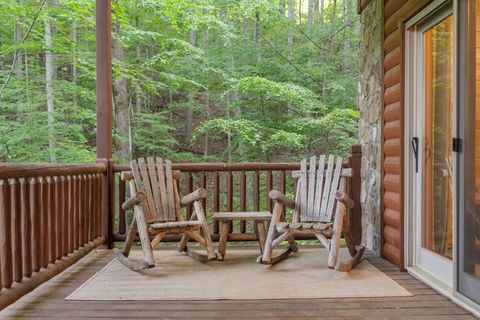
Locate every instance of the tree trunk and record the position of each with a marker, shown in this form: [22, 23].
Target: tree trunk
[229, 62]
[18, 34]
[257, 36]
[322, 12]
[191, 95]
[74, 61]
[300, 4]
[120, 99]
[138, 51]
[310, 13]
[49, 76]
[206, 36]
[329, 49]
[291, 19]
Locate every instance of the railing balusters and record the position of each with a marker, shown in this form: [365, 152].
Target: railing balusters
[16, 231]
[70, 208]
[26, 229]
[282, 187]
[256, 195]
[35, 216]
[230, 196]
[252, 192]
[122, 226]
[40, 211]
[203, 184]
[5, 235]
[216, 198]
[90, 206]
[58, 217]
[85, 209]
[51, 219]
[269, 187]
[64, 217]
[76, 212]
[99, 204]
[44, 235]
[189, 189]
[243, 199]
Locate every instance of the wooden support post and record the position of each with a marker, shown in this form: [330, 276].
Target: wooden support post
[104, 111]
[355, 163]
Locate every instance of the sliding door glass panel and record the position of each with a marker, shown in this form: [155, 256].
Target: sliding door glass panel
[438, 123]
[469, 157]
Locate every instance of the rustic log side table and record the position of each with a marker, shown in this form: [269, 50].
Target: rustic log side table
[225, 218]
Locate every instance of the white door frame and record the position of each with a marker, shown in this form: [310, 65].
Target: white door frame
[433, 266]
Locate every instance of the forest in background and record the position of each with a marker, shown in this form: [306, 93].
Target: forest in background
[194, 80]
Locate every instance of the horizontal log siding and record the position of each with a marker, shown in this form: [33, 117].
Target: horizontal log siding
[396, 12]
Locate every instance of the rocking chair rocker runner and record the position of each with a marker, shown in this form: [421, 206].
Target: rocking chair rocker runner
[319, 193]
[157, 211]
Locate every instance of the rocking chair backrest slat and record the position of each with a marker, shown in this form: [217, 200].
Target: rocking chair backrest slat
[156, 181]
[311, 187]
[147, 186]
[303, 189]
[170, 194]
[326, 186]
[162, 185]
[333, 190]
[316, 188]
[319, 188]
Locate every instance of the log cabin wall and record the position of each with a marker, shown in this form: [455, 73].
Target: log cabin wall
[395, 14]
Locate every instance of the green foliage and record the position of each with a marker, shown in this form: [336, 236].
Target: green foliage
[251, 95]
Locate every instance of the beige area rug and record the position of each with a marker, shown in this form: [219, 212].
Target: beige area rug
[176, 276]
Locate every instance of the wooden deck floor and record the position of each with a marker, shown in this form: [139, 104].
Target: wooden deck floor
[47, 302]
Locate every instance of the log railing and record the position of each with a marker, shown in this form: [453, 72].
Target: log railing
[235, 187]
[53, 215]
[50, 217]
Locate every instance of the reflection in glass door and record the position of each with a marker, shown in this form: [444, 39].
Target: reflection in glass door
[435, 115]
[438, 125]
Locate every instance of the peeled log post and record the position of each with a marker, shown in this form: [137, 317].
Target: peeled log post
[216, 199]
[43, 195]
[50, 235]
[16, 231]
[256, 194]
[230, 195]
[189, 190]
[34, 194]
[243, 199]
[122, 225]
[5, 235]
[26, 229]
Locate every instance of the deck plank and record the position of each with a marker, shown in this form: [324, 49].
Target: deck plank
[47, 302]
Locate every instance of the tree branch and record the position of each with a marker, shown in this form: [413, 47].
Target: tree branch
[290, 62]
[21, 42]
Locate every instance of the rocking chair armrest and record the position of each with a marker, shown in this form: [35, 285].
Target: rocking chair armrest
[280, 197]
[196, 195]
[138, 198]
[345, 199]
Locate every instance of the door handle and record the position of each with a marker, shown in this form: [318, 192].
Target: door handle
[414, 144]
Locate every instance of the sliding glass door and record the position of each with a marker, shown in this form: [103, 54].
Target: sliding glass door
[469, 188]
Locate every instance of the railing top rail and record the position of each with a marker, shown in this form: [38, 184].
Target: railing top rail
[34, 170]
[221, 166]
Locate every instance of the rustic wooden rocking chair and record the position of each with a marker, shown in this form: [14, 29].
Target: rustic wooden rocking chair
[157, 212]
[319, 193]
